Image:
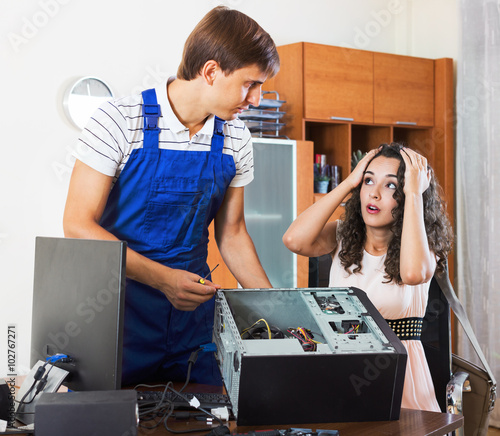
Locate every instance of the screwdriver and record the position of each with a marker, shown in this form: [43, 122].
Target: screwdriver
[202, 281]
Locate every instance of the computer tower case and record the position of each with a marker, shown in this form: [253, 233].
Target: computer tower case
[310, 355]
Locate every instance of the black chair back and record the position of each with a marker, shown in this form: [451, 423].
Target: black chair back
[436, 340]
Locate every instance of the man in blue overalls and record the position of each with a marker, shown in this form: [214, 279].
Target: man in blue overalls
[154, 170]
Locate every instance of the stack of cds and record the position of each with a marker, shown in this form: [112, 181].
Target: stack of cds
[263, 121]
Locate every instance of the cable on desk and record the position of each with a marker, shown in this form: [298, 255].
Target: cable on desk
[155, 411]
[219, 431]
[161, 411]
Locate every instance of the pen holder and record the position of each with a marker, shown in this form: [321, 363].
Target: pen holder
[336, 176]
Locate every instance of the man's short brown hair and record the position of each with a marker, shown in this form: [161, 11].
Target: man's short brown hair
[233, 40]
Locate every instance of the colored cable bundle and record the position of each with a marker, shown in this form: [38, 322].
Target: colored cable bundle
[305, 337]
[353, 329]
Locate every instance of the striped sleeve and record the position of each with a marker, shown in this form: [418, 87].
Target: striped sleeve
[104, 142]
[243, 157]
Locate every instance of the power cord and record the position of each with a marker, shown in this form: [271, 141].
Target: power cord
[41, 378]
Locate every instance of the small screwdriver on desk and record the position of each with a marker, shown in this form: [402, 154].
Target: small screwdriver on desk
[202, 281]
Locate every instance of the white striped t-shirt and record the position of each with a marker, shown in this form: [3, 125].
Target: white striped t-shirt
[115, 130]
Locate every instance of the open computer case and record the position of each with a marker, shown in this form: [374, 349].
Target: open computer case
[351, 368]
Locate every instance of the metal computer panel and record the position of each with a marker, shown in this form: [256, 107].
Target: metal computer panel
[355, 372]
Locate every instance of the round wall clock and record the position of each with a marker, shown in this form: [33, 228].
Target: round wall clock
[83, 97]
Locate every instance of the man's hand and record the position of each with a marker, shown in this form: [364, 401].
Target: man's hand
[184, 290]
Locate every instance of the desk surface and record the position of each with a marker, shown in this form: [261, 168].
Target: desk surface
[411, 423]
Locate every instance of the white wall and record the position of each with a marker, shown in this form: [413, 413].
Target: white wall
[44, 44]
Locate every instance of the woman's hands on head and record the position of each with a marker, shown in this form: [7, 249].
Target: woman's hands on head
[356, 176]
[417, 174]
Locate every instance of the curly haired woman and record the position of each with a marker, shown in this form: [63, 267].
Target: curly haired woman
[394, 235]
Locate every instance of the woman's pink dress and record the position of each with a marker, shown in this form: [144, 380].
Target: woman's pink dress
[394, 302]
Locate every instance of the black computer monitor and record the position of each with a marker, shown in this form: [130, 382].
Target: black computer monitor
[78, 305]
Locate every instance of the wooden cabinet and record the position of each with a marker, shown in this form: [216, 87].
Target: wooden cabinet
[342, 84]
[403, 90]
[410, 100]
[338, 83]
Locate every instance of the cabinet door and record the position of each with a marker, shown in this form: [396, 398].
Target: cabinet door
[270, 207]
[338, 83]
[404, 90]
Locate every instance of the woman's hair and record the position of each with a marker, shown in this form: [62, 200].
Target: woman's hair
[233, 40]
[352, 232]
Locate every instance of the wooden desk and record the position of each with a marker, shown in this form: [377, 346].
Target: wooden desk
[411, 423]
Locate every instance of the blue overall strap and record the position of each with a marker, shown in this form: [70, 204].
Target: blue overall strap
[218, 136]
[151, 111]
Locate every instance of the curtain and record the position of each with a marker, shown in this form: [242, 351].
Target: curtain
[478, 179]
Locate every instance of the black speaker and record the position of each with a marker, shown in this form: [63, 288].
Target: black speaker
[93, 413]
[7, 408]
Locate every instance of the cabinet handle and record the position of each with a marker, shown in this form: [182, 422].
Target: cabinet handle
[407, 123]
[342, 119]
